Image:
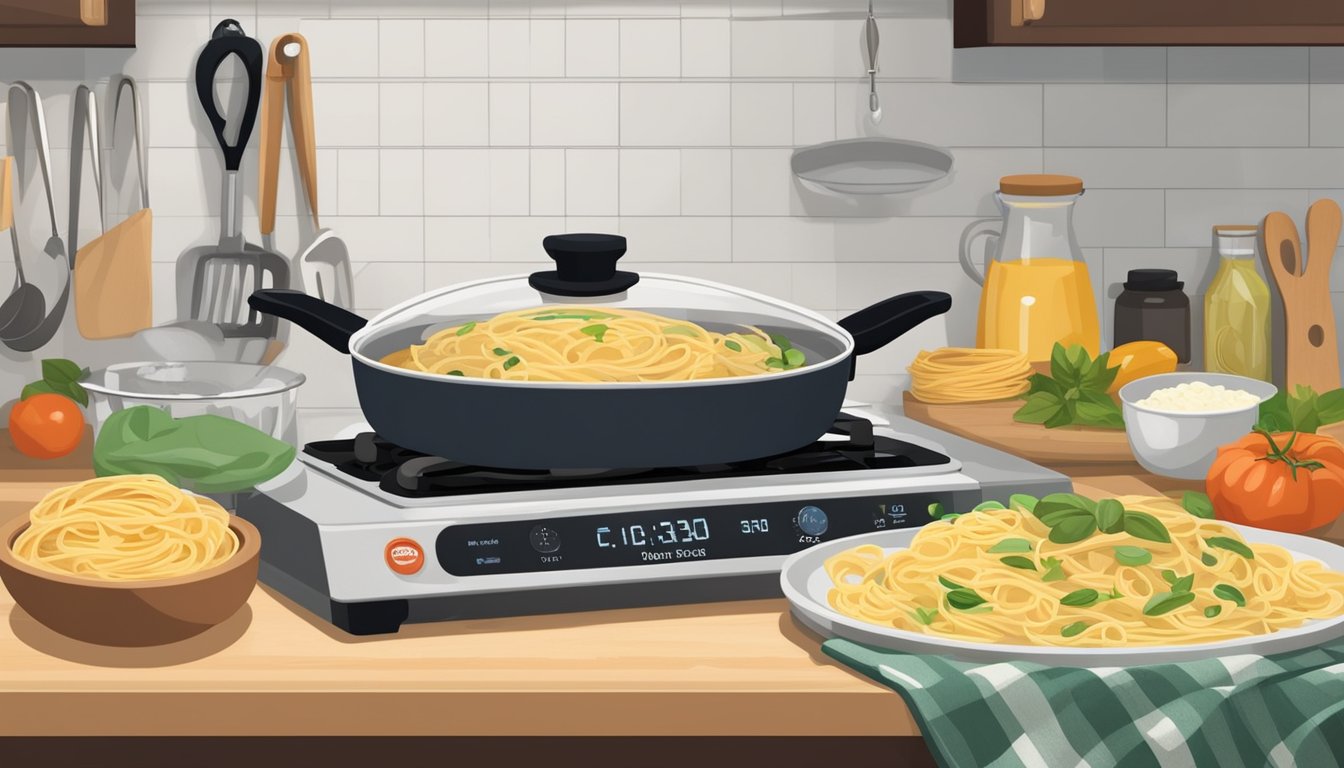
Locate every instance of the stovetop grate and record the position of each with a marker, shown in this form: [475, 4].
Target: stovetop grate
[401, 472]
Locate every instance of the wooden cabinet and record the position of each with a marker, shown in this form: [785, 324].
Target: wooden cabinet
[1147, 22]
[67, 23]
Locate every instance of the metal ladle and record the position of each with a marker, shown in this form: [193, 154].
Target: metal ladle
[24, 309]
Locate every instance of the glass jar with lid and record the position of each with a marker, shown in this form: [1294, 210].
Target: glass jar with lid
[1236, 308]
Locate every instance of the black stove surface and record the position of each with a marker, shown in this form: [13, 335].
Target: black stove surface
[410, 474]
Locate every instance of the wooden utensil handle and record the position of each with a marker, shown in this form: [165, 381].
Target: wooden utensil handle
[272, 118]
[301, 120]
[7, 194]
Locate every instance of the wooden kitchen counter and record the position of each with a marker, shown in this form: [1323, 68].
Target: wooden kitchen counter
[735, 668]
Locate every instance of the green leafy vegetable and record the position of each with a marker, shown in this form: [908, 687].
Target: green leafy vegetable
[1231, 545]
[924, 616]
[1073, 529]
[1133, 556]
[1230, 593]
[1073, 393]
[512, 361]
[59, 377]
[964, 599]
[1197, 504]
[950, 584]
[1110, 516]
[1212, 611]
[464, 330]
[1142, 525]
[1023, 501]
[1166, 602]
[1208, 559]
[206, 454]
[1179, 584]
[1304, 410]
[1054, 569]
[1073, 629]
[793, 358]
[1018, 561]
[501, 351]
[1080, 597]
[985, 505]
[455, 373]
[1010, 545]
[597, 331]
[733, 345]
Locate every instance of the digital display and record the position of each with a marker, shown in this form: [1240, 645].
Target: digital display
[679, 535]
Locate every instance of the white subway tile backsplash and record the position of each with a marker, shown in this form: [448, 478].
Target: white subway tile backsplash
[676, 239]
[401, 48]
[519, 239]
[762, 182]
[510, 114]
[706, 182]
[172, 117]
[547, 186]
[357, 182]
[1120, 217]
[457, 182]
[1327, 115]
[762, 114]
[457, 238]
[650, 48]
[509, 47]
[674, 114]
[1237, 115]
[458, 114]
[1237, 65]
[183, 183]
[177, 42]
[650, 182]
[948, 114]
[547, 48]
[789, 48]
[386, 284]
[1197, 167]
[575, 114]
[381, 238]
[783, 239]
[457, 48]
[401, 120]
[813, 113]
[401, 190]
[1191, 213]
[705, 48]
[591, 182]
[1105, 115]
[509, 182]
[341, 47]
[592, 48]
[346, 114]
[903, 238]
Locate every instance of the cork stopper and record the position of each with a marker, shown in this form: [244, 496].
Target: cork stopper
[1040, 185]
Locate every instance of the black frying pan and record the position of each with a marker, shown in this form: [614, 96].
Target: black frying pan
[546, 425]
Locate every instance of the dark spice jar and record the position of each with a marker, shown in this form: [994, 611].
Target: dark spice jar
[1153, 308]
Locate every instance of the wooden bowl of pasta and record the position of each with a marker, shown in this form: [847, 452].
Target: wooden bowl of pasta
[105, 604]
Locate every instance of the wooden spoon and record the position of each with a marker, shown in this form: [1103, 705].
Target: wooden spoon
[1309, 323]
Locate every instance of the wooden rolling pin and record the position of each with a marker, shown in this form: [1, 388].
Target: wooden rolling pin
[1309, 320]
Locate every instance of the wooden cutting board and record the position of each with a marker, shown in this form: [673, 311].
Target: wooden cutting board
[992, 424]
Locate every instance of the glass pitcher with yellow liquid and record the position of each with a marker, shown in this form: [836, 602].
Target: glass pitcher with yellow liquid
[1036, 287]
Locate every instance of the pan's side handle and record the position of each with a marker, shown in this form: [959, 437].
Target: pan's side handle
[886, 321]
[328, 322]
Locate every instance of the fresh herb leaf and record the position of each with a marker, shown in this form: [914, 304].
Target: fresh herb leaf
[1039, 382]
[964, 599]
[1110, 516]
[1099, 374]
[1142, 525]
[59, 377]
[1133, 556]
[1302, 409]
[1054, 569]
[985, 505]
[464, 330]
[512, 361]
[1208, 559]
[1061, 418]
[1231, 593]
[1062, 501]
[1023, 500]
[1062, 368]
[1114, 594]
[1274, 415]
[1212, 611]
[1098, 410]
[59, 371]
[793, 358]
[733, 345]
[1039, 408]
[1166, 602]
[1231, 545]
[950, 584]
[1179, 584]
[455, 373]
[1055, 517]
[38, 388]
[1073, 629]
[936, 510]
[1330, 406]
[598, 330]
[774, 362]
[1073, 529]
[1018, 561]
[501, 351]
[1010, 545]
[781, 341]
[1197, 504]
[1080, 597]
[924, 616]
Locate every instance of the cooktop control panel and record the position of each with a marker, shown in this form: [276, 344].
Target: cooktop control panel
[680, 535]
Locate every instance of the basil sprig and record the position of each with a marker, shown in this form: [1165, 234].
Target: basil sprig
[924, 616]
[1179, 596]
[1073, 393]
[1072, 518]
[1231, 545]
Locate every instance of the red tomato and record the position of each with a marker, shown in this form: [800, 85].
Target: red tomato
[1286, 482]
[46, 426]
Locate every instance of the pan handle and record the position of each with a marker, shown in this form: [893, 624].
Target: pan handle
[886, 321]
[326, 321]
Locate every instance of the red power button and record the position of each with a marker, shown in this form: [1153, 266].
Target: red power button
[405, 556]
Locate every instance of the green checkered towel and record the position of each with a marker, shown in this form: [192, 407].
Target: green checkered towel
[1245, 710]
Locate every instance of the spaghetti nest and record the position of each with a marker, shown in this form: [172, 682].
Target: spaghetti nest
[963, 375]
[125, 528]
[994, 576]
[583, 344]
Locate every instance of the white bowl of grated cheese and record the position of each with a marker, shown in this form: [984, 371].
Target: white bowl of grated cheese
[1176, 422]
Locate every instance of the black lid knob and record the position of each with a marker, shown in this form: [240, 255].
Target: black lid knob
[585, 265]
[1153, 280]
